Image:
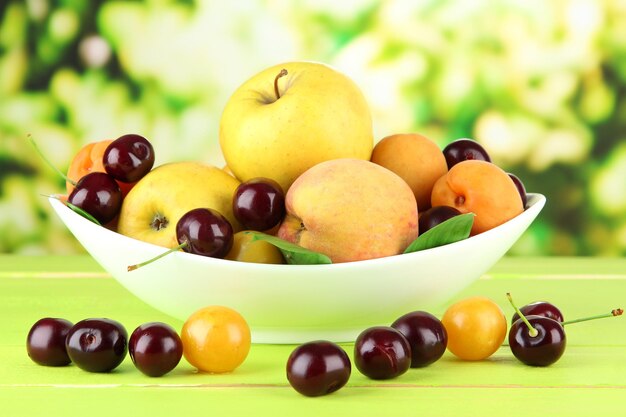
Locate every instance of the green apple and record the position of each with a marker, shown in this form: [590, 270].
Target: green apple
[350, 210]
[291, 117]
[152, 208]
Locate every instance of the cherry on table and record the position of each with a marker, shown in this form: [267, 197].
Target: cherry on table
[434, 216]
[318, 368]
[45, 342]
[539, 308]
[97, 344]
[259, 204]
[98, 194]
[463, 150]
[128, 158]
[540, 340]
[382, 352]
[155, 348]
[426, 336]
[541, 344]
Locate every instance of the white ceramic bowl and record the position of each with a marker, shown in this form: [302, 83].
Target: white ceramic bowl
[299, 303]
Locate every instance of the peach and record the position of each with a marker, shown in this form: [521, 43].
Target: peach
[350, 210]
[481, 188]
[416, 159]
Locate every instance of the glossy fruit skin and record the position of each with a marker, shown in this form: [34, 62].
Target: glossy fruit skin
[520, 187]
[98, 194]
[382, 352]
[97, 344]
[434, 216]
[426, 336]
[463, 150]
[128, 158]
[540, 308]
[216, 339]
[45, 342]
[206, 232]
[155, 348]
[259, 204]
[476, 328]
[542, 350]
[244, 249]
[318, 368]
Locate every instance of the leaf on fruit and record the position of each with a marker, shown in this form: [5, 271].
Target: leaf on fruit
[452, 230]
[294, 254]
[82, 212]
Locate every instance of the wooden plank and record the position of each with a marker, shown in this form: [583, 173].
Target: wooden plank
[588, 380]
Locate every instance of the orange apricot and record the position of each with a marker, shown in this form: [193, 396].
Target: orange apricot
[414, 158]
[89, 159]
[481, 188]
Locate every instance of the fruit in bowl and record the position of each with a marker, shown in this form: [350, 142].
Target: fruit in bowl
[154, 205]
[298, 303]
[291, 116]
[350, 210]
[353, 217]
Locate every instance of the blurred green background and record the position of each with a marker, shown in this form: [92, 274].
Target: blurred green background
[541, 84]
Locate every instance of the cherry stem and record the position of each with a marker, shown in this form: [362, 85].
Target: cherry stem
[183, 245]
[281, 74]
[532, 332]
[65, 177]
[613, 313]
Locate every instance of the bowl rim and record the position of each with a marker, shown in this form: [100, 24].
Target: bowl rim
[534, 205]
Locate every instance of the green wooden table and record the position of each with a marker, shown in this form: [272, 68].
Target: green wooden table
[589, 380]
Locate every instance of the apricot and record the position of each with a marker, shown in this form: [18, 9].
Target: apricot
[258, 251]
[89, 159]
[481, 188]
[414, 158]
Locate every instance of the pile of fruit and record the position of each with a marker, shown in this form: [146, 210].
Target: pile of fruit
[302, 168]
[216, 339]
[304, 183]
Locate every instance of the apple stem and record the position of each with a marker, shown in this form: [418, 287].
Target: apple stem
[149, 261]
[281, 74]
[532, 332]
[613, 313]
[65, 177]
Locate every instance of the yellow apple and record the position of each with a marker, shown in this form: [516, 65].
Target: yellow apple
[350, 210]
[152, 208]
[277, 125]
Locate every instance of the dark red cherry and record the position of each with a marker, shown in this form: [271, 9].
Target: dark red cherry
[318, 368]
[382, 353]
[45, 342]
[259, 204]
[205, 232]
[128, 158]
[434, 216]
[520, 188]
[98, 194]
[97, 345]
[540, 349]
[155, 348]
[463, 150]
[539, 308]
[426, 336]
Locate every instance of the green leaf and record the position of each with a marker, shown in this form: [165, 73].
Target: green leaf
[452, 230]
[293, 254]
[82, 212]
